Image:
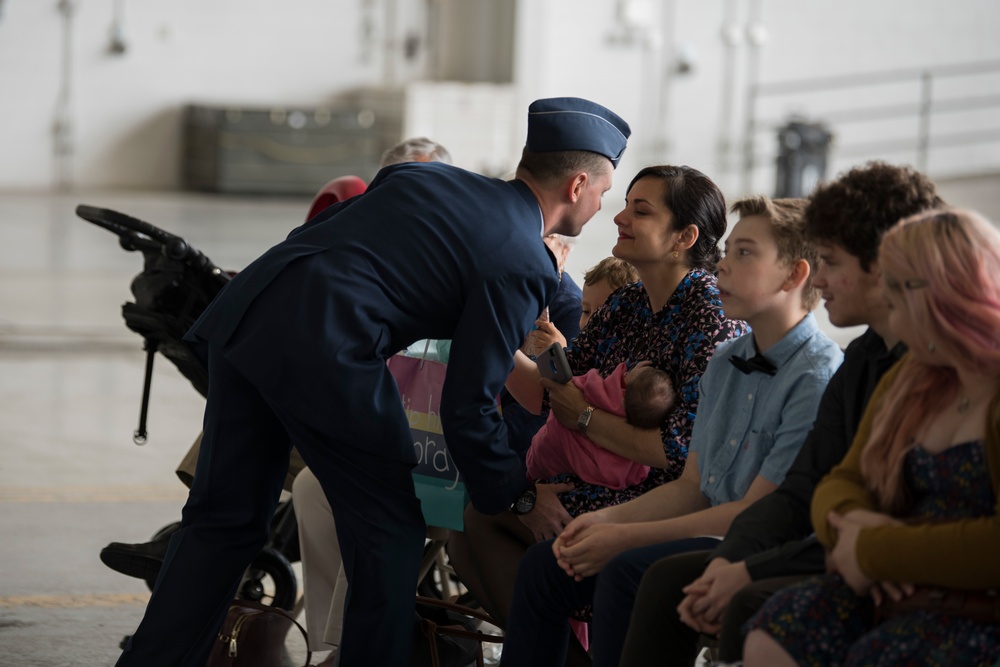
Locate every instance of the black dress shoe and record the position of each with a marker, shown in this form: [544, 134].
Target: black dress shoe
[136, 560]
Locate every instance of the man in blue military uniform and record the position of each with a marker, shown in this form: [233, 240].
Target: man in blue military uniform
[296, 347]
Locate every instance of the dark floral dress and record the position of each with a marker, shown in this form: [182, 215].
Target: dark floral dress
[679, 340]
[821, 621]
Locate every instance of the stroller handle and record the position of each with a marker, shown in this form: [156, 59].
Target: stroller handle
[131, 230]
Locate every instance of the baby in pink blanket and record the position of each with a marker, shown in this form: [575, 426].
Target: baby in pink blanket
[644, 396]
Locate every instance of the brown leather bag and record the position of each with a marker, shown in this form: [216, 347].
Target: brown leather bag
[253, 635]
[433, 631]
[979, 606]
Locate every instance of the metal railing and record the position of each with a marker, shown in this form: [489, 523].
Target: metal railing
[922, 104]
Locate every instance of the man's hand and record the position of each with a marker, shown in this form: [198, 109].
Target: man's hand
[566, 401]
[708, 596]
[548, 517]
[588, 543]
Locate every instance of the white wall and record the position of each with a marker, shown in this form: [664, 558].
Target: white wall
[565, 47]
[125, 109]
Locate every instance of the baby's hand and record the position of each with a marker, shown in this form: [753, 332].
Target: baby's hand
[642, 364]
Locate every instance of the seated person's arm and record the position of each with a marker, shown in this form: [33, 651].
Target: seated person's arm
[523, 383]
[680, 509]
[607, 430]
[701, 521]
[652, 447]
[792, 558]
[591, 540]
[542, 337]
[673, 499]
[783, 516]
[670, 443]
[843, 490]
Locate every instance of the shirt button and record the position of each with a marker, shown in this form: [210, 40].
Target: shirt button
[711, 479]
[732, 442]
[749, 397]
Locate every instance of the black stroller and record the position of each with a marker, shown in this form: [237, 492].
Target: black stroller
[176, 284]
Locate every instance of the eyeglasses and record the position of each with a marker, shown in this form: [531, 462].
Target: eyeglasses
[899, 285]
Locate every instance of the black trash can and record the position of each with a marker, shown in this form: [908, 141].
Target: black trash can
[802, 155]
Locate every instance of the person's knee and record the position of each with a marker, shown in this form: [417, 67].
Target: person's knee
[623, 572]
[487, 529]
[538, 562]
[762, 650]
[662, 581]
[744, 603]
[474, 523]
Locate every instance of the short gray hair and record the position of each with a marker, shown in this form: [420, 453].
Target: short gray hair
[412, 149]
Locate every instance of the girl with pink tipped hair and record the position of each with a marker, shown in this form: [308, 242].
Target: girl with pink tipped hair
[914, 504]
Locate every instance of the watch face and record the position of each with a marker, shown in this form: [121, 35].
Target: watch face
[524, 503]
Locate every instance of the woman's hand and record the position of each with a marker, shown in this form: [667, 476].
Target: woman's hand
[566, 401]
[708, 596]
[843, 558]
[871, 519]
[538, 339]
[848, 528]
[587, 544]
[893, 590]
[548, 518]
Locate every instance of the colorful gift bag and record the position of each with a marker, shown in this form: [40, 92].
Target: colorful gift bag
[437, 481]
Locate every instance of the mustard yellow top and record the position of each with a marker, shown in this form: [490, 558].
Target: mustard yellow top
[956, 554]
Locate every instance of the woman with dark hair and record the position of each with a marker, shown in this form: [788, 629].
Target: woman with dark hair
[696, 200]
[669, 231]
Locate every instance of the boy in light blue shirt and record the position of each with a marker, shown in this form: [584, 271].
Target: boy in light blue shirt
[758, 399]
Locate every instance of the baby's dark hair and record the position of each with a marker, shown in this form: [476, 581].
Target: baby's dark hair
[649, 398]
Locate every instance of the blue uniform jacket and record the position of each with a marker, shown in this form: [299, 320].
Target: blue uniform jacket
[428, 251]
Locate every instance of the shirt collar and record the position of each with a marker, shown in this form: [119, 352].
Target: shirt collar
[789, 344]
[874, 347]
[529, 197]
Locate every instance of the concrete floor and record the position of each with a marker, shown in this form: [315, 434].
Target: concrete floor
[71, 480]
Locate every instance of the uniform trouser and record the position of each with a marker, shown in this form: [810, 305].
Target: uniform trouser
[185, 469]
[537, 633]
[241, 468]
[656, 634]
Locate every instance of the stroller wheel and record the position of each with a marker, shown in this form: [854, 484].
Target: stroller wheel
[270, 580]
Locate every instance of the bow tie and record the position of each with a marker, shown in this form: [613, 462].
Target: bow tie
[756, 363]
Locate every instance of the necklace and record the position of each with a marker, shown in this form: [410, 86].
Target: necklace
[963, 404]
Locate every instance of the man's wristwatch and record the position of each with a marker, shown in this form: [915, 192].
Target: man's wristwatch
[584, 421]
[526, 501]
